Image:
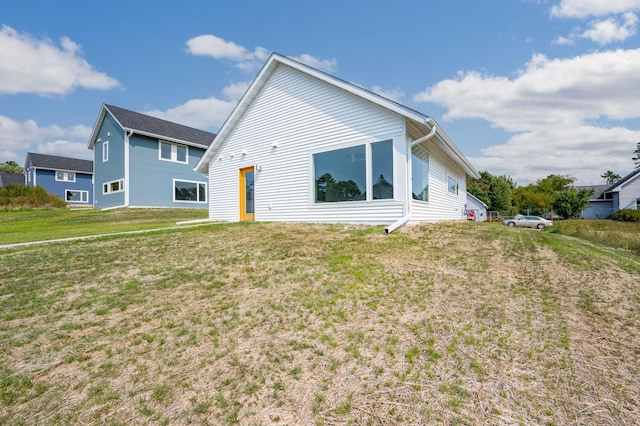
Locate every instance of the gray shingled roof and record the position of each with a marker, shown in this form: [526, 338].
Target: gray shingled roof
[53, 162]
[7, 179]
[145, 123]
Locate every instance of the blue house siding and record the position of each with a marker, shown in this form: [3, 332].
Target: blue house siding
[46, 178]
[151, 180]
[114, 168]
[598, 210]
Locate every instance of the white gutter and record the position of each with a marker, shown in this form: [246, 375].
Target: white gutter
[404, 219]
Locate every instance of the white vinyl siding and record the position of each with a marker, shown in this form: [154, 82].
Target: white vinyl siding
[302, 115]
[443, 205]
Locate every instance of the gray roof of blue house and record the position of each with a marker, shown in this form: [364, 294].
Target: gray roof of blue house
[601, 190]
[54, 162]
[146, 124]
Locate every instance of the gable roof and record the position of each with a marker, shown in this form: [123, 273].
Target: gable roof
[477, 200]
[7, 179]
[421, 122]
[54, 162]
[601, 190]
[146, 125]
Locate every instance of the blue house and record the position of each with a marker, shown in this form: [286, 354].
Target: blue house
[69, 178]
[608, 199]
[143, 161]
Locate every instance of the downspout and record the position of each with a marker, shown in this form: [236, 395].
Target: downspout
[404, 219]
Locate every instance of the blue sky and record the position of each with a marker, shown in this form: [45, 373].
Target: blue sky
[525, 88]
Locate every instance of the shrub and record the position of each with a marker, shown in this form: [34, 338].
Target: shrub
[627, 215]
[25, 197]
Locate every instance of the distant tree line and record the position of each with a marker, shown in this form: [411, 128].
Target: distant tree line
[11, 167]
[554, 192]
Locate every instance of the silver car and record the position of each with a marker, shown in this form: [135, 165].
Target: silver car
[528, 222]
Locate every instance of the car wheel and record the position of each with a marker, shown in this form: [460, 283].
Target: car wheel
[540, 226]
[512, 224]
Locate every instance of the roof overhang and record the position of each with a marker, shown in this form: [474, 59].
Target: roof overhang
[276, 60]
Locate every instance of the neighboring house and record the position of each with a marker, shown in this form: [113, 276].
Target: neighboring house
[143, 161]
[302, 145]
[69, 178]
[7, 179]
[608, 199]
[476, 209]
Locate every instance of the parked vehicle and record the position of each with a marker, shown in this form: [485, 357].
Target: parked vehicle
[528, 222]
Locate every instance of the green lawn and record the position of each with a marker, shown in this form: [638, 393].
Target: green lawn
[38, 225]
[268, 323]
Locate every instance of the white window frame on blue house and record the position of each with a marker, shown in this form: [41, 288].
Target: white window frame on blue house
[83, 195]
[113, 186]
[201, 194]
[173, 153]
[105, 151]
[62, 176]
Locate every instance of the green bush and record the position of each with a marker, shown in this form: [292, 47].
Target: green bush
[26, 197]
[627, 215]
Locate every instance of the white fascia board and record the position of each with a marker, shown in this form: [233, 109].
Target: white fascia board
[237, 113]
[164, 138]
[94, 133]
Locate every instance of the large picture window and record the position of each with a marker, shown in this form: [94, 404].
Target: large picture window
[76, 196]
[189, 191]
[420, 175]
[341, 174]
[173, 152]
[113, 186]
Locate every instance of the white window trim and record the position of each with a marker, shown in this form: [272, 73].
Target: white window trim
[173, 191]
[84, 194]
[105, 151]
[66, 175]
[174, 152]
[368, 171]
[454, 194]
[108, 184]
[423, 152]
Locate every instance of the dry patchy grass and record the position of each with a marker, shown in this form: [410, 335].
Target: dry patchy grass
[320, 324]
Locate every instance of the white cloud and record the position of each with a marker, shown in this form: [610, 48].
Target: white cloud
[549, 106]
[205, 114]
[243, 58]
[218, 48]
[66, 148]
[326, 65]
[28, 65]
[611, 30]
[565, 41]
[20, 137]
[586, 8]
[234, 91]
[395, 94]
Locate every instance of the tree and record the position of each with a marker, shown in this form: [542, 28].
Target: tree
[636, 156]
[494, 191]
[610, 178]
[11, 167]
[570, 203]
[530, 197]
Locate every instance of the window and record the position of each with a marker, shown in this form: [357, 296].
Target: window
[420, 175]
[65, 176]
[341, 174]
[113, 186]
[382, 169]
[173, 152]
[188, 191]
[105, 151]
[452, 185]
[76, 196]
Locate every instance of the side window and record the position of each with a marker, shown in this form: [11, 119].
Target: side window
[105, 151]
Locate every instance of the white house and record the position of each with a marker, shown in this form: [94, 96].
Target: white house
[302, 145]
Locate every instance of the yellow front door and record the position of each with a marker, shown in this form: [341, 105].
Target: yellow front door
[247, 201]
